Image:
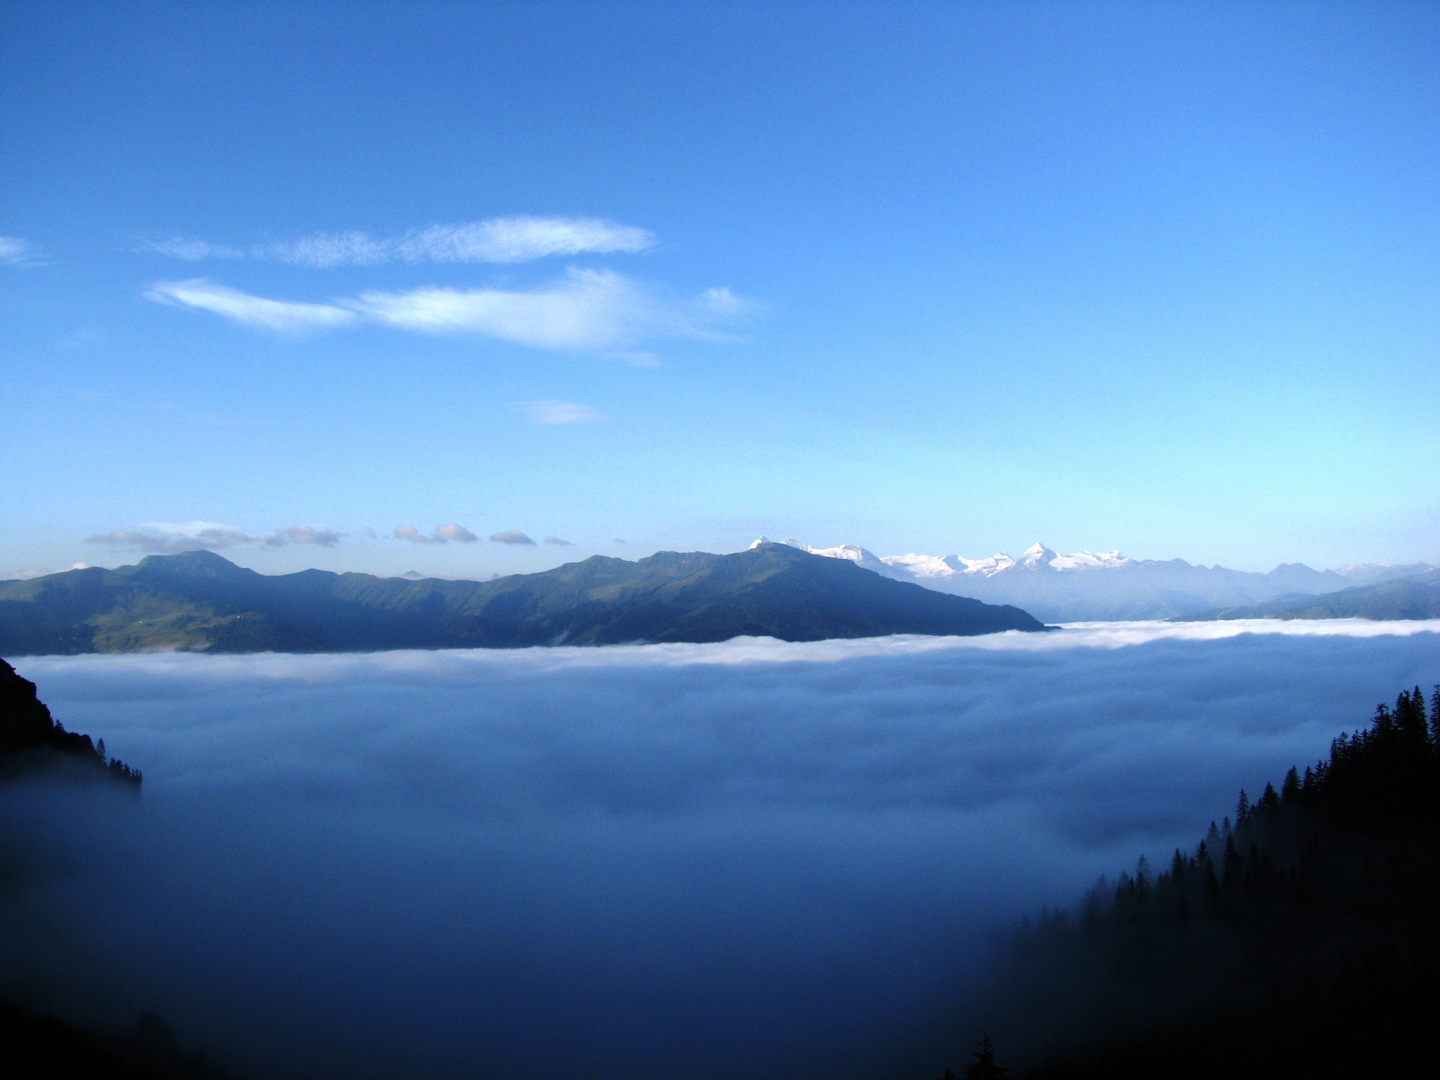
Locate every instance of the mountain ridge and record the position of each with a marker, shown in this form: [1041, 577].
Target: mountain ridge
[201, 601]
[1415, 597]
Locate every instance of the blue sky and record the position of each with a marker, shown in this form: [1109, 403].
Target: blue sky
[936, 278]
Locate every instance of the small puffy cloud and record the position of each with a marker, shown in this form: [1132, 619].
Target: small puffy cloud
[512, 536]
[187, 248]
[558, 542]
[442, 534]
[284, 316]
[304, 534]
[560, 412]
[457, 533]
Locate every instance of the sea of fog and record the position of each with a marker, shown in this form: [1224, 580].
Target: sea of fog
[748, 859]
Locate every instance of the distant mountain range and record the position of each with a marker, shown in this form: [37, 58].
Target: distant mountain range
[1415, 597]
[1107, 585]
[200, 601]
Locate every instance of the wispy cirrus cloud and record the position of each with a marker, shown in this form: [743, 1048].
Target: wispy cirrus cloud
[166, 538]
[282, 316]
[17, 252]
[516, 239]
[560, 412]
[443, 534]
[586, 310]
[188, 248]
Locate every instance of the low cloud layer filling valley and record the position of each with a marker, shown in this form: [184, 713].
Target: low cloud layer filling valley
[751, 858]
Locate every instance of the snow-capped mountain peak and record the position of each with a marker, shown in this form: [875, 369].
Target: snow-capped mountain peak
[927, 566]
[849, 552]
[936, 568]
[1037, 555]
[1092, 560]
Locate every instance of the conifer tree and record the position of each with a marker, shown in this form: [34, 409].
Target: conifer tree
[1435, 717]
[984, 1067]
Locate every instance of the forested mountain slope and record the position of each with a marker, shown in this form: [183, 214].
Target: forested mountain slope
[1296, 941]
[30, 738]
[200, 601]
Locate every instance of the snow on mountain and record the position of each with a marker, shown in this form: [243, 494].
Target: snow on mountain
[1037, 557]
[932, 566]
[1086, 585]
[1092, 560]
[849, 552]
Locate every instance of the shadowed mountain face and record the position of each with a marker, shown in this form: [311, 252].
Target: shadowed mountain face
[200, 601]
[1412, 598]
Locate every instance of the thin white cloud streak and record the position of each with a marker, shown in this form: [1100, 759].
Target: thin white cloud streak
[283, 316]
[560, 412]
[520, 239]
[586, 310]
[188, 248]
[324, 250]
[510, 835]
[517, 239]
[498, 240]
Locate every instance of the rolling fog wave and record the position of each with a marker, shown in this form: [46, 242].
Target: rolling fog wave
[752, 858]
